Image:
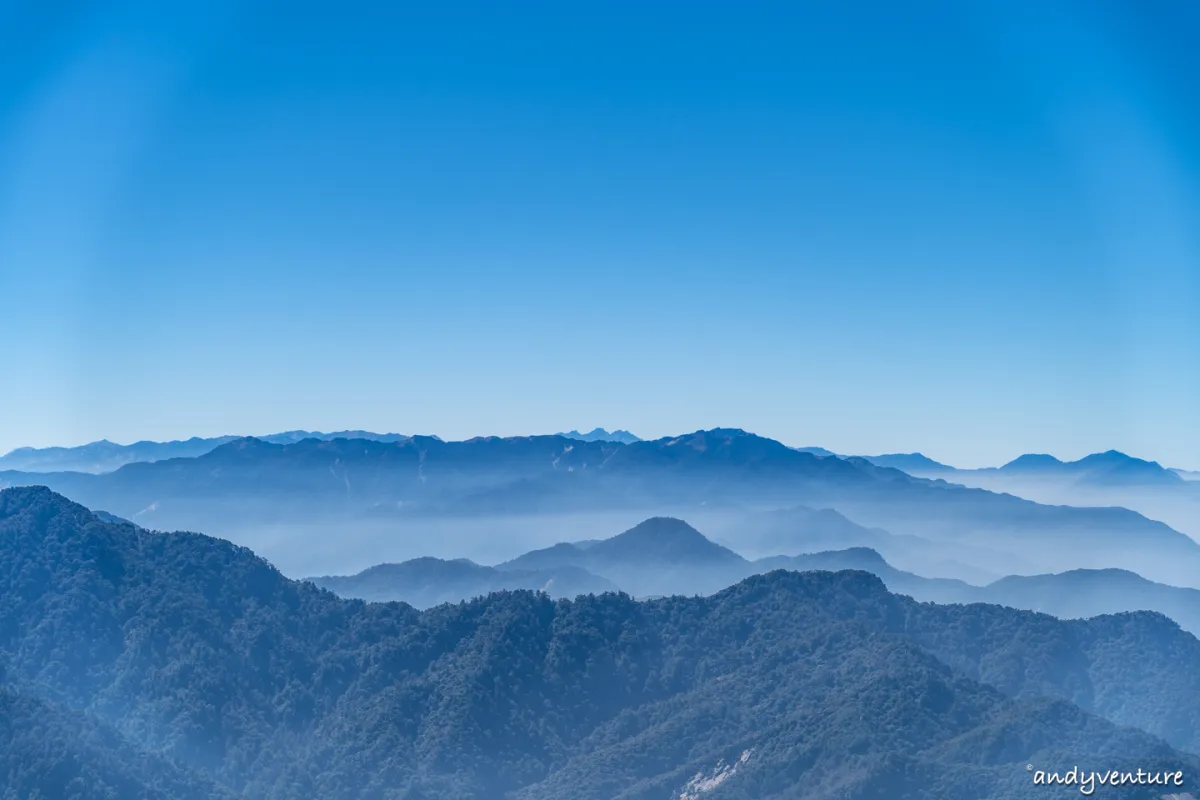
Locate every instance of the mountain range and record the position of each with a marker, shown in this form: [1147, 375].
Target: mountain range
[106, 456]
[177, 665]
[601, 435]
[1110, 468]
[664, 556]
[426, 582]
[249, 484]
[1111, 478]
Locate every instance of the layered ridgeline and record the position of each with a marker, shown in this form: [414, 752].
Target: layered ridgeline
[663, 556]
[343, 486]
[1111, 478]
[1110, 468]
[106, 456]
[786, 685]
[426, 582]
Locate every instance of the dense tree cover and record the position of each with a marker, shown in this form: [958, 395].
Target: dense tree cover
[817, 685]
[425, 582]
[49, 753]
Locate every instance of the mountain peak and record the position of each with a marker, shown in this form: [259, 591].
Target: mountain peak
[728, 441]
[1109, 467]
[602, 435]
[663, 538]
[1031, 461]
[1110, 456]
[1115, 458]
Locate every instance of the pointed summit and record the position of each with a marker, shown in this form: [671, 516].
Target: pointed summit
[601, 435]
[663, 539]
[1031, 462]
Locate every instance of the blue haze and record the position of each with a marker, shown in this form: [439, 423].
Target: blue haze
[968, 229]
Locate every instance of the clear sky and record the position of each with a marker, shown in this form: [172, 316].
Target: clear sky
[966, 228]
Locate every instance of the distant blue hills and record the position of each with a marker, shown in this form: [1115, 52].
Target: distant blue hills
[663, 556]
[339, 482]
[1110, 467]
[601, 435]
[106, 456]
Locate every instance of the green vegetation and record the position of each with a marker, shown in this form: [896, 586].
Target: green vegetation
[201, 658]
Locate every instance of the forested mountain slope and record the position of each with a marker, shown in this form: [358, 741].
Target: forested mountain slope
[816, 685]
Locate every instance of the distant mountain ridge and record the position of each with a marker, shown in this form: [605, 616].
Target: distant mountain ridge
[1109, 467]
[427, 582]
[601, 435]
[661, 555]
[816, 451]
[1077, 594]
[912, 463]
[1111, 478]
[343, 481]
[105, 456]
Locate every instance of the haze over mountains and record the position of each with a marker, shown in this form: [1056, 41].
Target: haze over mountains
[663, 556]
[177, 665]
[1110, 478]
[1110, 468]
[601, 435]
[349, 503]
[106, 456]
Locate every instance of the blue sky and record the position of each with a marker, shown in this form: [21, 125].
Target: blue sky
[968, 229]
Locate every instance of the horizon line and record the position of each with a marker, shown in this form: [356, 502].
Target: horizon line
[234, 437]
